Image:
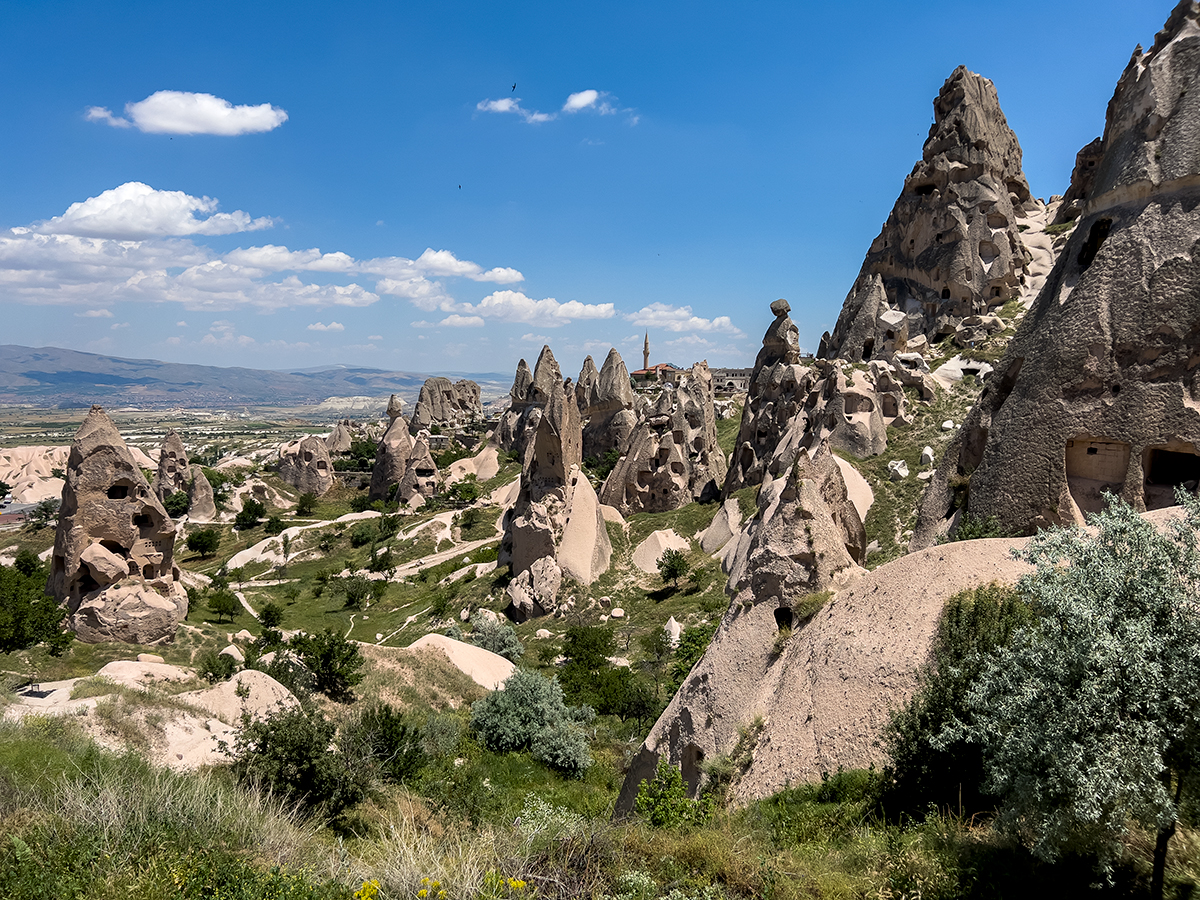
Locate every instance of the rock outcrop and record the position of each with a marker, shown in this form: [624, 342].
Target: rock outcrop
[555, 527]
[306, 466]
[391, 459]
[341, 437]
[443, 402]
[202, 506]
[421, 478]
[951, 248]
[395, 408]
[673, 457]
[112, 565]
[606, 402]
[172, 473]
[528, 396]
[1099, 387]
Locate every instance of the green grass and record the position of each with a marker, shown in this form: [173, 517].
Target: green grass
[727, 430]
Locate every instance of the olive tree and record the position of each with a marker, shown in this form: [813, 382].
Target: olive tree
[1089, 717]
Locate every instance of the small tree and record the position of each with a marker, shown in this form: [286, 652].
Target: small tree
[496, 636]
[176, 504]
[27, 615]
[274, 525]
[333, 661]
[206, 541]
[43, 515]
[1088, 718]
[252, 511]
[271, 615]
[673, 565]
[306, 504]
[224, 603]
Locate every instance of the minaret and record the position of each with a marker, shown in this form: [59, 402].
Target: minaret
[646, 352]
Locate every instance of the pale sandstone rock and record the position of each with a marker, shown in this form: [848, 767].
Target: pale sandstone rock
[202, 507]
[443, 402]
[172, 467]
[648, 552]
[488, 670]
[421, 478]
[391, 458]
[306, 466]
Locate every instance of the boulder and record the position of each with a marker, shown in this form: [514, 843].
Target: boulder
[534, 592]
[110, 520]
[306, 466]
[1097, 389]
[897, 470]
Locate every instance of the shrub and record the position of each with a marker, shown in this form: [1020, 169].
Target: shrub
[530, 714]
[271, 615]
[496, 636]
[360, 502]
[663, 801]
[382, 734]
[692, 644]
[362, 534]
[274, 525]
[42, 515]
[306, 504]
[356, 589]
[252, 511]
[206, 541]
[213, 666]
[333, 661]
[28, 564]
[177, 504]
[289, 754]
[224, 603]
[673, 565]
[27, 616]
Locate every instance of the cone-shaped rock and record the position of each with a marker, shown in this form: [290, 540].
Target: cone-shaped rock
[172, 473]
[391, 459]
[443, 402]
[1098, 388]
[113, 551]
[201, 505]
[306, 465]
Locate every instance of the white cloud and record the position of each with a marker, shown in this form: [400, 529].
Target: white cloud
[665, 317]
[95, 314]
[601, 102]
[422, 324]
[117, 325]
[272, 258]
[535, 338]
[444, 263]
[332, 326]
[134, 211]
[513, 306]
[581, 100]
[183, 112]
[374, 337]
[513, 105]
[181, 324]
[457, 321]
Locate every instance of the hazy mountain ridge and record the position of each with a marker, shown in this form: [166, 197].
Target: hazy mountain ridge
[52, 376]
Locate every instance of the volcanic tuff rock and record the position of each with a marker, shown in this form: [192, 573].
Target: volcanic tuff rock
[306, 466]
[606, 402]
[673, 455]
[395, 407]
[420, 475]
[391, 458]
[555, 527]
[1100, 386]
[201, 505]
[172, 467]
[341, 437]
[528, 395]
[443, 402]
[951, 247]
[112, 564]
[1083, 176]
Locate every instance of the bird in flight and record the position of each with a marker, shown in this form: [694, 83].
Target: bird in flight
[514, 85]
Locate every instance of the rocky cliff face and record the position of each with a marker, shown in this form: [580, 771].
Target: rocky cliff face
[951, 248]
[112, 564]
[443, 402]
[606, 403]
[391, 458]
[1100, 387]
[528, 396]
[172, 473]
[306, 465]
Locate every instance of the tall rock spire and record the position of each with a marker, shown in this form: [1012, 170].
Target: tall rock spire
[951, 247]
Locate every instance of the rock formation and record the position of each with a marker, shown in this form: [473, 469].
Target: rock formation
[673, 455]
[443, 402]
[555, 527]
[1083, 176]
[341, 437]
[606, 403]
[391, 459]
[951, 247]
[112, 564]
[395, 407]
[306, 466]
[172, 467]
[528, 396]
[1098, 389]
[420, 479]
[202, 506]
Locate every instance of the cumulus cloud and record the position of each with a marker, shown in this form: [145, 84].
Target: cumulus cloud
[374, 337]
[514, 306]
[513, 105]
[535, 338]
[444, 263]
[332, 326]
[457, 321]
[95, 314]
[183, 112]
[135, 210]
[666, 317]
[581, 100]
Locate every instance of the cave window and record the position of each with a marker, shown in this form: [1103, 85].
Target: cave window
[1095, 238]
[868, 348]
[783, 618]
[1172, 467]
[995, 292]
[925, 190]
[945, 293]
[147, 571]
[142, 521]
[118, 492]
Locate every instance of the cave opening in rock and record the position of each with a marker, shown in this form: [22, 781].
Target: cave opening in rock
[118, 492]
[1096, 236]
[783, 617]
[1172, 468]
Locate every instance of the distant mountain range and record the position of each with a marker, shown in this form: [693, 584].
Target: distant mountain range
[53, 377]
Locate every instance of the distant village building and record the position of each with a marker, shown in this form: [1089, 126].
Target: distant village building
[659, 373]
[731, 381]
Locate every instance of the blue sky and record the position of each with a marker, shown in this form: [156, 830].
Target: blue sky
[367, 188]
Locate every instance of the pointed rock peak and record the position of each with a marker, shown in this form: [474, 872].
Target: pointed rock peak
[395, 407]
[614, 380]
[521, 382]
[588, 373]
[1184, 18]
[547, 369]
[969, 127]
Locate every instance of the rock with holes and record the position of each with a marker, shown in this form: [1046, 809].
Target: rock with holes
[952, 246]
[673, 457]
[391, 459]
[113, 560]
[1098, 389]
[527, 398]
[421, 479]
[172, 472]
[606, 404]
[306, 466]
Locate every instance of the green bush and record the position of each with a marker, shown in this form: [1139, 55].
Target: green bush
[663, 802]
[274, 525]
[176, 504]
[252, 511]
[382, 734]
[224, 603]
[28, 564]
[213, 666]
[673, 565]
[692, 644]
[306, 504]
[496, 636]
[530, 714]
[333, 661]
[271, 615]
[206, 541]
[362, 534]
[289, 753]
[27, 616]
